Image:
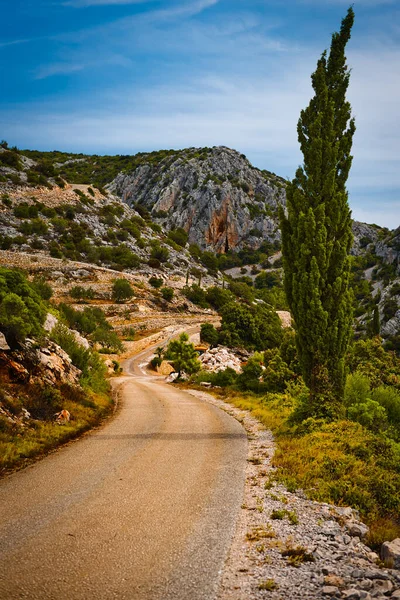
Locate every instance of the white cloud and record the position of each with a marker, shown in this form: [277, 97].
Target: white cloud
[86, 3]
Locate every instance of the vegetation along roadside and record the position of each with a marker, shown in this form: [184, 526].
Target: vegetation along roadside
[53, 385]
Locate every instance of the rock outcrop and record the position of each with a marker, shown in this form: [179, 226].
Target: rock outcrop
[215, 194]
[49, 365]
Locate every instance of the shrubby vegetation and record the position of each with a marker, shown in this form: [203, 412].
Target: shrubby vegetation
[122, 290]
[182, 355]
[22, 308]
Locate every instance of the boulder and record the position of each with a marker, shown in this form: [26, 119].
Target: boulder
[3, 342]
[357, 530]
[63, 417]
[82, 341]
[55, 366]
[15, 371]
[165, 368]
[50, 322]
[390, 553]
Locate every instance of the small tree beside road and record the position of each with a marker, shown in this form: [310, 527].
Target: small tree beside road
[183, 355]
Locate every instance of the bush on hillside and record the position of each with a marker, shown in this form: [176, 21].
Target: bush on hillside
[209, 334]
[22, 310]
[251, 327]
[167, 293]
[122, 290]
[86, 321]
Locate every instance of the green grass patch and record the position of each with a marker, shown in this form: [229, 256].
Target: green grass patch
[18, 445]
[340, 462]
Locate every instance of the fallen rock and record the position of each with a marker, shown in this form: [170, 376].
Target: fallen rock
[220, 358]
[390, 553]
[171, 377]
[63, 417]
[82, 341]
[165, 368]
[3, 342]
[333, 580]
[16, 372]
[330, 590]
[358, 530]
[383, 586]
[351, 594]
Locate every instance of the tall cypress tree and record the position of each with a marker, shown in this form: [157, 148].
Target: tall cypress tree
[316, 230]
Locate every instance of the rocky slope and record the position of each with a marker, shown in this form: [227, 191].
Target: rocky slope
[215, 194]
[82, 223]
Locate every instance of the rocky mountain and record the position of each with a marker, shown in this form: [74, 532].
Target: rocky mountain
[215, 194]
[124, 212]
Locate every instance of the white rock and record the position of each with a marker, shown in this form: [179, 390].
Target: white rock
[50, 322]
[390, 552]
[3, 342]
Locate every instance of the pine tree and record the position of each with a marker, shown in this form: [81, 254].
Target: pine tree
[316, 232]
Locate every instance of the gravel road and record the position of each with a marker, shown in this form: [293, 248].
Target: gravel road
[143, 508]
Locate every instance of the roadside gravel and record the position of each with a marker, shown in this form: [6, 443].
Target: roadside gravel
[313, 550]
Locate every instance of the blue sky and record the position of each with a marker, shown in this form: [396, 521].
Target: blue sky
[122, 76]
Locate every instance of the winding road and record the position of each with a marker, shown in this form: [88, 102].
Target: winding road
[142, 508]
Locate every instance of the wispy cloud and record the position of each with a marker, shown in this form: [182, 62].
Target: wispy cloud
[68, 67]
[86, 3]
[19, 41]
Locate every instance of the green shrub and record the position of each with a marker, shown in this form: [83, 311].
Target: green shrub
[79, 292]
[85, 321]
[160, 253]
[369, 358]
[389, 398]
[6, 200]
[155, 282]
[357, 389]
[252, 327]
[209, 334]
[22, 310]
[44, 402]
[10, 159]
[218, 297]
[167, 293]
[369, 413]
[122, 290]
[108, 339]
[43, 288]
[26, 211]
[196, 294]
[179, 236]
[79, 355]
[183, 355]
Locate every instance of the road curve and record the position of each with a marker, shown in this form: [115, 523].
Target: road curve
[143, 508]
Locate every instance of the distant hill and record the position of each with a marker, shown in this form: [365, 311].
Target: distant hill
[222, 201]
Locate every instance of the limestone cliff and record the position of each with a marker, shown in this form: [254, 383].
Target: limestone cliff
[215, 194]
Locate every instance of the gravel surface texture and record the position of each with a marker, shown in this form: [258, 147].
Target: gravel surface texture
[289, 547]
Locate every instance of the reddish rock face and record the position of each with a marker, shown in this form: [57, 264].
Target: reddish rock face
[222, 233]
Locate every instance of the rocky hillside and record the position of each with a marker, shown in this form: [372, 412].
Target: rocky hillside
[209, 197]
[215, 194]
[83, 223]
